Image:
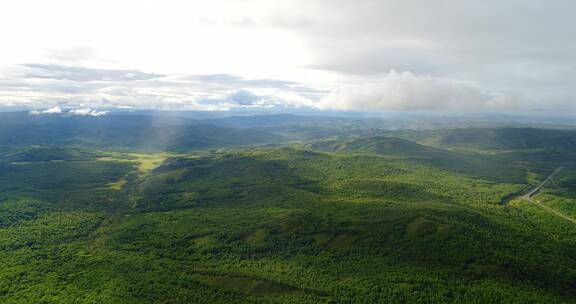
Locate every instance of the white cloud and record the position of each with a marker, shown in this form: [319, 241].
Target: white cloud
[87, 112]
[43, 86]
[406, 91]
[76, 112]
[54, 110]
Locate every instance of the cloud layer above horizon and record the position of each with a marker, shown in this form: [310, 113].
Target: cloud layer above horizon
[366, 55]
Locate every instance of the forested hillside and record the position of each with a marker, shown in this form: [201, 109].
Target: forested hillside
[280, 209]
[365, 220]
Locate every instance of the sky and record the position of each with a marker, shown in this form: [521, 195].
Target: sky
[361, 55]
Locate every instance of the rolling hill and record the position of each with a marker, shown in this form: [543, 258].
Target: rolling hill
[92, 217]
[488, 167]
[130, 132]
[511, 138]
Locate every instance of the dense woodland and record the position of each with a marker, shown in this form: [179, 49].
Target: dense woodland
[434, 217]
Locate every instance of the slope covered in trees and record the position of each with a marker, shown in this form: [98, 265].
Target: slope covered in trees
[358, 220]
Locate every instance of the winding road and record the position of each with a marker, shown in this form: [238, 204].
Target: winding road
[529, 197]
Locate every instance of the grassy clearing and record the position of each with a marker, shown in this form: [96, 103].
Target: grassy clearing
[143, 162]
[118, 185]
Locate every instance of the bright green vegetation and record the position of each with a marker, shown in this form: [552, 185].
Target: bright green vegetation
[561, 194]
[354, 220]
